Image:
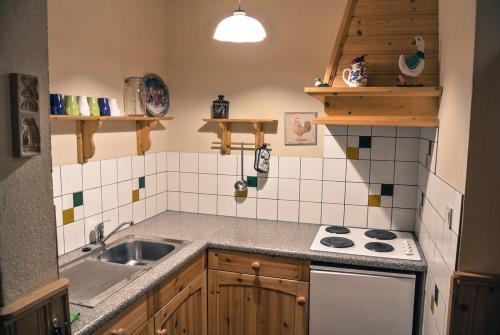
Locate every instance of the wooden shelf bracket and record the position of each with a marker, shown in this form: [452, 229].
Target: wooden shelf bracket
[143, 130]
[85, 139]
[225, 136]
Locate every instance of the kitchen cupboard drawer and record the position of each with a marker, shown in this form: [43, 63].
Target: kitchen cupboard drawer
[169, 288]
[269, 266]
[129, 321]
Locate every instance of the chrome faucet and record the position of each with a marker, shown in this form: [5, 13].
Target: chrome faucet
[100, 238]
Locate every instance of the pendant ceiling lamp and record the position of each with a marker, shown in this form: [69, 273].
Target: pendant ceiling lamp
[240, 28]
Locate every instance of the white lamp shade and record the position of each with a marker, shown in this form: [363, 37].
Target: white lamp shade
[240, 28]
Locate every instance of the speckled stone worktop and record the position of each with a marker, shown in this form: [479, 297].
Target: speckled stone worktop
[207, 231]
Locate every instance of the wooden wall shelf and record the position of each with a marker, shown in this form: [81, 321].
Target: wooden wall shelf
[382, 31]
[225, 127]
[86, 126]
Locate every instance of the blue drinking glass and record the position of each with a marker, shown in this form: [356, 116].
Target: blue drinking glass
[57, 104]
[104, 106]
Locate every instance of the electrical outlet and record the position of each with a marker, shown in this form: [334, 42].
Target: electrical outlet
[449, 216]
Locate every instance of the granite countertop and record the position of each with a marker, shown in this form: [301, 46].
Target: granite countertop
[208, 231]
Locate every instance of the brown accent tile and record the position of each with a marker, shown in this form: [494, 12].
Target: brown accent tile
[68, 216]
[135, 195]
[353, 153]
[374, 200]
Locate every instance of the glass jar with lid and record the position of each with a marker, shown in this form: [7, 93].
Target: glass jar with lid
[134, 96]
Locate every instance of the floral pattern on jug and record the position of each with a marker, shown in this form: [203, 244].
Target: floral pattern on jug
[356, 76]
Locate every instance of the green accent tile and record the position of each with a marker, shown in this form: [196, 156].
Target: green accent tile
[374, 200]
[365, 142]
[77, 199]
[135, 195]
[252, 181]
[387, 190]
[353, 153]
[142, 182]
[68, 215]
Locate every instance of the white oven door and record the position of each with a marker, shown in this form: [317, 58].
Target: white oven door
[352, 302]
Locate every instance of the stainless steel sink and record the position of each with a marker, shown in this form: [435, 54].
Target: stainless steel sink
[105, 270]
[138, 252]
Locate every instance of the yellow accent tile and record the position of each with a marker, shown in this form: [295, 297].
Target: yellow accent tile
[374, 200]
[68, 215]
[353, 153]
[135, 195]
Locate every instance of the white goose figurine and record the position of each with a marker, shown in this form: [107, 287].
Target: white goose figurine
[413, 65]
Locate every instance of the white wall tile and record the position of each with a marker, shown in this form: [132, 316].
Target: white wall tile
[207, 204]
[74, 235]
[56, 181]
[67, 201]
[207, 183]
[358, 170]
[429, 133]
[60, 241]
[161, 202]
[173, 201]
[335, 146]
[403, 219]
[109, 172]
[310, 190]
[288, 189]
[78, 213]
[383, 148]
[139, 211]
[267, 209]
[189, 182]
[188, 162]
[150, 186]
[58, 208]
[289, 167]
[333, 192]
[311, 168]
[172, 161]
[125, 213]
[356, 194]
[273, 168]
[225, 185]
[404, 196]
[226, 205]
[161, 182]
[138, 166]
[110, 219]
[189, 202]
[161, 162]
[246, 208]
[248, 169]
[92, 202]
[332, 214]
[406, 173]
[355, 216]
[173, 181]
[267, 188]
[384, 131]
[407, 149]
[124, 192]
[288, 210]
[408, 132]
[150, 164]
[379, 217]
[227, 164]
[71, 178]
[334, 169]
[207, 163]
[359, 130]
[109, 197]
[457, 207]
[90, 224]
[151, 207]
[124, 168]
[382, 172]
[310, 212]
[331, 130]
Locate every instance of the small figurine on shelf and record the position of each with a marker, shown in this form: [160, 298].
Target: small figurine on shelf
[412, 66]
[356, 76]
[320, 83]
[220, 108]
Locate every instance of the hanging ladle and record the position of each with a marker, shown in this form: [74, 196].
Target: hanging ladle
[241, 185]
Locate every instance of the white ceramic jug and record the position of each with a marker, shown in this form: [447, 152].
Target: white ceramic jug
[113, 105]
[83, 105]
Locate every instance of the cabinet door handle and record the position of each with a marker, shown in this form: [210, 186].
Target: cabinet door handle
[120, 331]
[301, 300]
[255, 266]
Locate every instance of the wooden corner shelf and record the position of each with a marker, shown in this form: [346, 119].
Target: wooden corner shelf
[86, 126]
[225, 127]
[382, 33]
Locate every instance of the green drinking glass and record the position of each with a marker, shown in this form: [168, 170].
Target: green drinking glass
[71, 105]
[94, 106]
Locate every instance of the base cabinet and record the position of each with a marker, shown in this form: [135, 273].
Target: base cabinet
[243, 304]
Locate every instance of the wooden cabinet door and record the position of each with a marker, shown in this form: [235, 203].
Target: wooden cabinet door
[243, 304]
[186, 313]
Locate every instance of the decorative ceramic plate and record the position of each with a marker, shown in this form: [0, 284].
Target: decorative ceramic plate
[157, 96]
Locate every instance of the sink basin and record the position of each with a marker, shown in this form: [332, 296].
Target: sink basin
[136, 252]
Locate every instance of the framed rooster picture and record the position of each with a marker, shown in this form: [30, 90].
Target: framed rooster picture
[299, 129]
